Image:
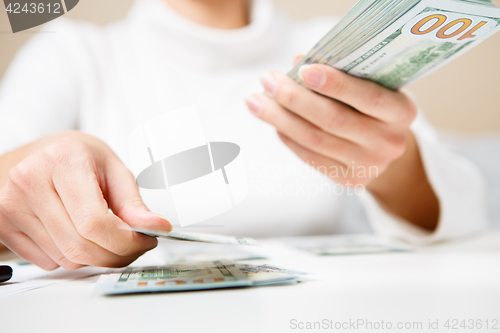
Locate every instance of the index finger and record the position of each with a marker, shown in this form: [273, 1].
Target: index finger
[363, 95]
[80, 191]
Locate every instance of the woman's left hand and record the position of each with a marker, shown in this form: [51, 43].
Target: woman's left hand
[348, 123]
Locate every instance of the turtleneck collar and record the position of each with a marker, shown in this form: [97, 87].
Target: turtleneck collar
[188, 42]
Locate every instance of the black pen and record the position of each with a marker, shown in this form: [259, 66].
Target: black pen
[5, 273]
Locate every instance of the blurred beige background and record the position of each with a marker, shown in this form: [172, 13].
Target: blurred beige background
[463, 96]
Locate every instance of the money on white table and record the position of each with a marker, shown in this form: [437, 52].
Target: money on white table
[198, 237]
[395, 42]
[193, 276]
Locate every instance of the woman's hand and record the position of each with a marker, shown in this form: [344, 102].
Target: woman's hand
[353, 124]
[351, 129]
[54, 205]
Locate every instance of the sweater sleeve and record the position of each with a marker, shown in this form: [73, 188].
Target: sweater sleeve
[458, 185]
[38, 95]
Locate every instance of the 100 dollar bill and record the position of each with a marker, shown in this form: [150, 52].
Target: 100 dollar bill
[427, 36]
[193, 276]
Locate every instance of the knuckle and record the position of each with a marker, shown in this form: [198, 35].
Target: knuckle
[396, 147]
[26, 173]
[337, 84]
[62, 261]
[389, 147]
[66, 264]
[288, 95]
[76, 252]
[333, 121]
[56, 152]
[64, 151]
[22, 175]
[90, 227]
[377, 100]
[134, 201]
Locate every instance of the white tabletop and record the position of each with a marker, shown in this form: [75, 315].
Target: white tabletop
[454, 281]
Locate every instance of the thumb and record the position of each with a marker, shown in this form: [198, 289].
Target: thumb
[122, 195]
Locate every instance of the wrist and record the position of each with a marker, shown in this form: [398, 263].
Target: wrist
[405, 190]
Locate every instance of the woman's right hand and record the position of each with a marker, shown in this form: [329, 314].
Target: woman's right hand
[54, 205]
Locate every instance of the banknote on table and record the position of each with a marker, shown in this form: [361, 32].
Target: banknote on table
[346, 244]
[395, 42]
[193, 276]
[198, 237]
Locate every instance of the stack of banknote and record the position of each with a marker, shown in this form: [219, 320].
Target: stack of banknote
[193, 276]
[198, 261]
[188, 274]
[394, 42]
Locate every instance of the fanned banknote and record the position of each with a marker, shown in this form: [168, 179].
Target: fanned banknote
[395, 42]
[193, 276]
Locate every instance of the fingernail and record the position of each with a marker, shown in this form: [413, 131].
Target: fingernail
[297, 59]
[269, 83]
[312, 76]
[163, 218]
[254, 104]
[160, 216]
